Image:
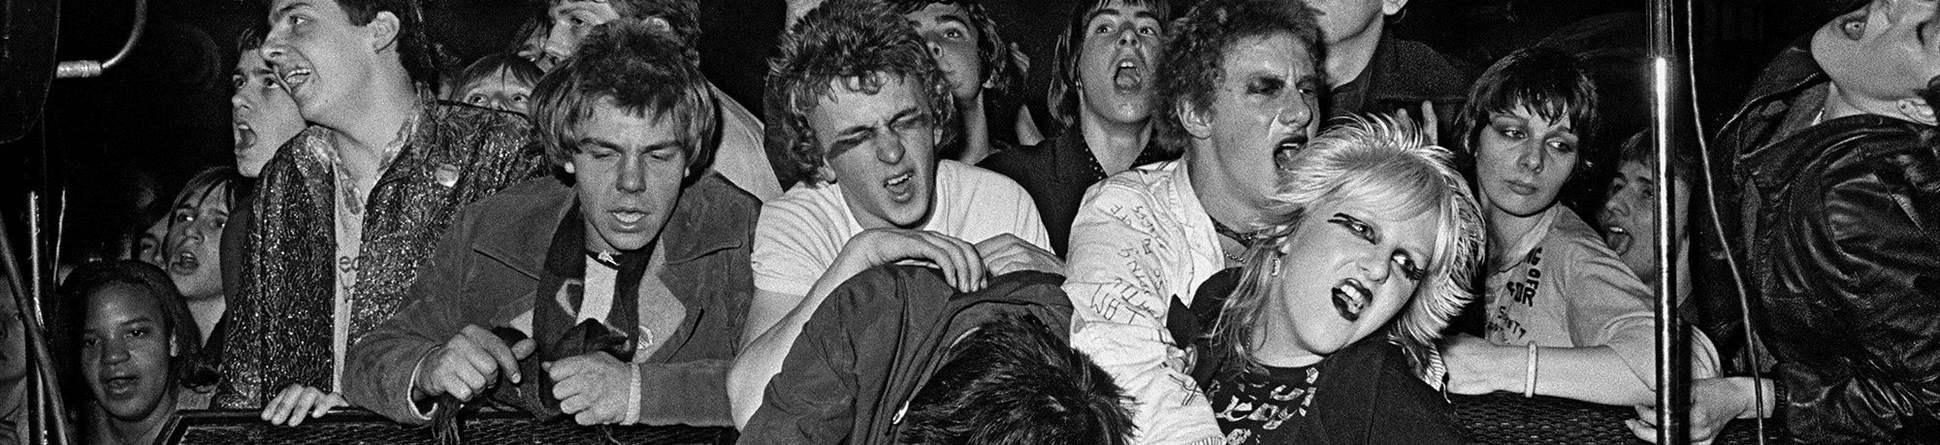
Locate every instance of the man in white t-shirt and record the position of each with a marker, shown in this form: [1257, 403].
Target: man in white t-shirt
[1148, 237]
[858, 102]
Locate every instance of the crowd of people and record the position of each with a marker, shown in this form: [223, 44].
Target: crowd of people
[1227, 206]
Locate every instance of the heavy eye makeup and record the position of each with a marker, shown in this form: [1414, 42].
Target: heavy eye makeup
[1401, 257]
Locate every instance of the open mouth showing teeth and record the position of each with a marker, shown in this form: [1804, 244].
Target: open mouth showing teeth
[1283, 154]
[897, 180]
[245, 136]
[1127, 75]
[1350, 298]
[1618, 238]
[296, 76]
[185, 263]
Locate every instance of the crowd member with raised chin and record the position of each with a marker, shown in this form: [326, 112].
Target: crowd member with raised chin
[1628, 219]
[981, 67]
[741, 157]
[1826, 193]
[265, 118]
[861, 104]
[1104, 74]
[197, 220]
[1369, 70]
[640, 243]
[265, 115]
[350, 208]
[1238, 82]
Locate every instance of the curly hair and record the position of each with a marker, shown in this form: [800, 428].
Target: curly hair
[189, 367]
[855, 41]
[1387, 163]
[630, 66]
[423, 58]
[1013, 381]
[1062, 94]
[1195, 50]
[1002, 67]
[683, 16]
[1550, 82]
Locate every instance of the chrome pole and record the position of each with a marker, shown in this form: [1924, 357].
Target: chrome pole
[1673, 382]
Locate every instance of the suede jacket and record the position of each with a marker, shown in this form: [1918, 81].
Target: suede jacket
[487, 268]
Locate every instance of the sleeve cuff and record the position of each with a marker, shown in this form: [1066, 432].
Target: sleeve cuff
[411, 387]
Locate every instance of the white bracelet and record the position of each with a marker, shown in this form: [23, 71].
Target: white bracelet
[1529, 376]
[632, 396]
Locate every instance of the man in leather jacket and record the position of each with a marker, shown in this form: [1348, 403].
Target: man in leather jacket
[1833, 169]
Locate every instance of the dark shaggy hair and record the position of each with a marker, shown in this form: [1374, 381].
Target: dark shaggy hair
[1195, 50]
[1062, 94]
[848, 40]
[1002, 67]
[642, 72]
[189, 368]
[1012, 381]
[1550, 82]
[423, 59]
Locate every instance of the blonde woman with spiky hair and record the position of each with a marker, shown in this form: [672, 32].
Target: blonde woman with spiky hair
[1366, 252]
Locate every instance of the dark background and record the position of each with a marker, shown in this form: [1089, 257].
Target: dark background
[164, 114]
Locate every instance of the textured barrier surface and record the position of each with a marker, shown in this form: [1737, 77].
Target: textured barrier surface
[1504, 418]
[360, 427]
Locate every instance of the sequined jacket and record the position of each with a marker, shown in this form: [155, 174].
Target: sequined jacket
[283, 317]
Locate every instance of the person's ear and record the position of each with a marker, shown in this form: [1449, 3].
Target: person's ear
[569, 167]
[174, 348]
[1392, 7]
[1916, 109]
[1197, 122]
[384, 30]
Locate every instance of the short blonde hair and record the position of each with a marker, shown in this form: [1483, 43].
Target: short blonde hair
[1382, 161]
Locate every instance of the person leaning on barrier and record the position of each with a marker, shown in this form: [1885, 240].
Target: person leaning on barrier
[1836, 177]
[350, 208]
[863, 104]
[627, 278]
[1238, 82]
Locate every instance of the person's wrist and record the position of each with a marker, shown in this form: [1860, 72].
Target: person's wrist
[422, 385]
[1511, 366]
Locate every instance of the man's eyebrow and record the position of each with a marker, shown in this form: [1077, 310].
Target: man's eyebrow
[953, 18]
[1102, 11]
[290, 7]
[598, 142]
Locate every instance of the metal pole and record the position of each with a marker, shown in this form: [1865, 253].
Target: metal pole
[1673, 384]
